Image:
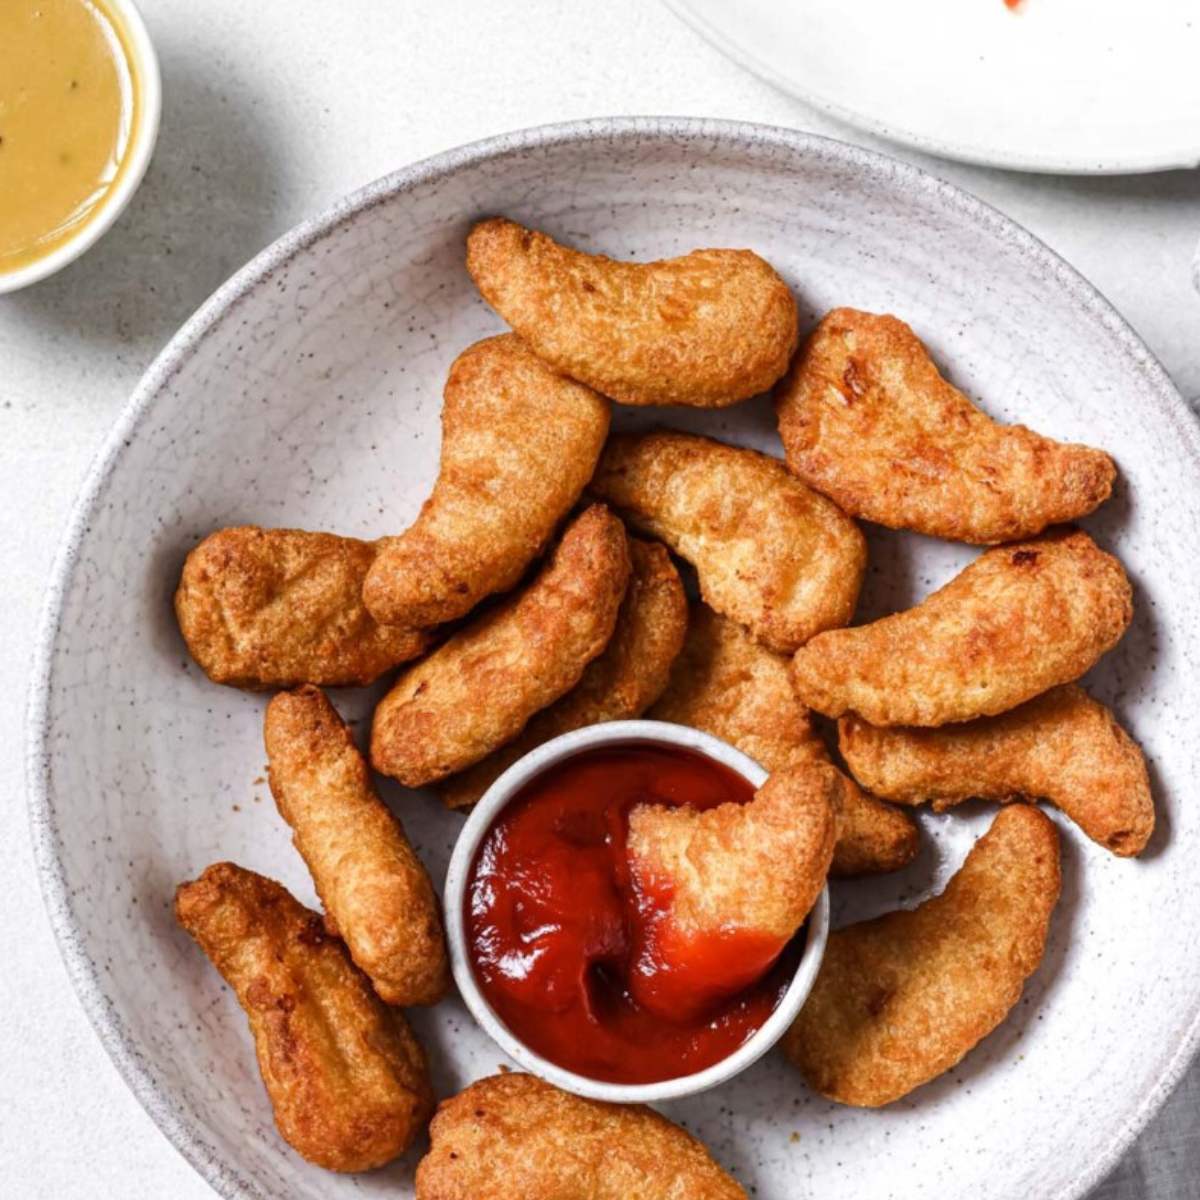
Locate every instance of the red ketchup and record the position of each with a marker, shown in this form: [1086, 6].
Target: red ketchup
[568, 952]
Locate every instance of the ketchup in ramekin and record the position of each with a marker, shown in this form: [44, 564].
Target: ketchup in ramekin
[553, 923]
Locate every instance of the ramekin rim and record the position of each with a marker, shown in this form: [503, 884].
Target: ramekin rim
[480, 820]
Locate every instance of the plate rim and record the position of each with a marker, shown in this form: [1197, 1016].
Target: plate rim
[156, 1099]
[1180, 158]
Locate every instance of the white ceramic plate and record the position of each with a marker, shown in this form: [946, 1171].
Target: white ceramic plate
[1083, 86]
[307, 392]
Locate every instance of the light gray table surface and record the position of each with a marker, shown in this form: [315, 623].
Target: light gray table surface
[273, 110]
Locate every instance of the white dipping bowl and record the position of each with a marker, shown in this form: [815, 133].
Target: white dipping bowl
[480, 821]
[143, 65]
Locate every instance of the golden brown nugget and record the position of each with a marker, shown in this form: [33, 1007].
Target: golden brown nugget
[345, 1076]
[376, 892]
[726, 684]
[272, 608]
[477, 691]
[769, 552]
[867, 420]
[519, 442]
[740, 877]
[706, 330]
[1016, 622]
[618, 685]
[902, 998]
[1062, 746]
[514, 1137]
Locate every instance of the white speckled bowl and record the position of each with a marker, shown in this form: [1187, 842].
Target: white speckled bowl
[306, 392]
[458, 875]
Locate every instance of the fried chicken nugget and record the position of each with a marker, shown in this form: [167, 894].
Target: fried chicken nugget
[726, 684]
[1016, 622]
[738, 876]
[902, 998]
[867, 419]
[347, 1080]
[273, 608]
[477, 691]
[514, 1137]
[705, 330]
[375, 890]
[519, 442]
[1062, 746]
[618, 685]
[769, 552]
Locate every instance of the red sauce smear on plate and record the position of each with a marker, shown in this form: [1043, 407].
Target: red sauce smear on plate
[570, 954]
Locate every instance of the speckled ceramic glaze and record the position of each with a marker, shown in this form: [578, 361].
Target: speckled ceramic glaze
[307, 391]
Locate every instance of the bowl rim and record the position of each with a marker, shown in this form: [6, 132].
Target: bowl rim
[186, 1134]
[502, 791]
[1178, 157]
[141, 150]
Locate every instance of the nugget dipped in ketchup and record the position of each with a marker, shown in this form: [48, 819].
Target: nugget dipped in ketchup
[596, 941]
[721, 892]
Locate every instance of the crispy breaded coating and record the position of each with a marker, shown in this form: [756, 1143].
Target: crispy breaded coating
[347, 1080]
[729, 685]
[726, 684]
[706, 330]
[519, 442]
[514, 1137]
[867, 419]
[902, 998]
[478, 689]
[375, 890]
[739, 878]
[769, 552]
[1016, 622]
[1062, 746]
[273, 608]
[757, 866]
[873, 837]
[618, 685]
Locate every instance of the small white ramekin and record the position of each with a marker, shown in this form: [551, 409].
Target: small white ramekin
[478, 823]
[148, 82]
